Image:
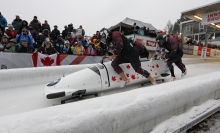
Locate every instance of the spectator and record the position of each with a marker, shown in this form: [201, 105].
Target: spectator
[42, 37]
[98, 34]
[59, 44]
[67, 48]
[47, 48]
[65, 32]
[141, 31]
[14, 46]
[36, 24]
[54, 34]
[17, 24]
[79, 49]
[45, 26]
[80, 32]
[25, 48]
[24, 36]
[33, 32]
[69, 37]
[1, 34]
[4, 41]
[3, 23]
[85, 44]
[96, 43]
[70, 27]
[146, 31]
[11, 33]
[90, 51]
[24, 24]
[99, 51]
[134, 29]
[73, 34]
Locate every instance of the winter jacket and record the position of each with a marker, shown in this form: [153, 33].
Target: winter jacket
[45, 26]
[21, 37]
[41, 38]
[99, 53]
[70, 27]
[90, 52]
[23, 26]
[58, 45]
[64, 33]
[36, 25]
[17, 24]
[13, 49]
[79, 50]
[85, 44]
[11, 34]
[48, 51]
[3, 22]
[34, 33]
[143, 53]
[80, 32]
[54, 34]
[23, 49]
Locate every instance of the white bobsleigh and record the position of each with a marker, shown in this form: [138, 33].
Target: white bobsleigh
[100, 77]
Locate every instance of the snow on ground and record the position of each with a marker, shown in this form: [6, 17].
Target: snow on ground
[28, 98]
[174, 123]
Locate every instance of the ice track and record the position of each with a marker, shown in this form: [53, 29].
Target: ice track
[28, 98]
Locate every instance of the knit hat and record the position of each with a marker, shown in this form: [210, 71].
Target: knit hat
[10, 25]
[13, 40]
[24, 41]
[5, 36]
[65, 42]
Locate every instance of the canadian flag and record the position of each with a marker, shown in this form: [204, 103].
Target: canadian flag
[40, 60]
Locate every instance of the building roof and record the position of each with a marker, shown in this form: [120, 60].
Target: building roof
[199, 11]
[128, 23]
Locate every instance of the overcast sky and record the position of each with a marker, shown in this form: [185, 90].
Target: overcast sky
[96, 14]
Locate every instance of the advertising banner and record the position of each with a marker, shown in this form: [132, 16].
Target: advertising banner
[212, 17]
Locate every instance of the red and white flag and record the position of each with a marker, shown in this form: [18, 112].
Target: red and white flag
[40, 60]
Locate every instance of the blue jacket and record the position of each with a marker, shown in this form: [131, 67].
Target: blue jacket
[21, 37]
[3, 22]
[58, 45]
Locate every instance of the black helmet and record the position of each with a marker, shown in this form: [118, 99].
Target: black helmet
[161, 39]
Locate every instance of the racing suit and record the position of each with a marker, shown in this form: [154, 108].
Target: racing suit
[125, 53]
[174, 55]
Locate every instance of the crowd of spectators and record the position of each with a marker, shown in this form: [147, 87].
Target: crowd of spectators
[22, 37]
[189, 41]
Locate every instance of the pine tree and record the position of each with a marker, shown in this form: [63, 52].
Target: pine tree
[169, 27]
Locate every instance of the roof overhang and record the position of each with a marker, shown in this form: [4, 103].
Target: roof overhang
[197, 13]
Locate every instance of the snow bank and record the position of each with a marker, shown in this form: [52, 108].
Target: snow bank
[185, 118]
[11, 78]
[128, 112]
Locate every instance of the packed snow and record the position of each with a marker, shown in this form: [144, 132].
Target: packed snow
[109, 113]
[181, 120]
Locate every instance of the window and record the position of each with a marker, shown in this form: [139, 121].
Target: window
[95, 69]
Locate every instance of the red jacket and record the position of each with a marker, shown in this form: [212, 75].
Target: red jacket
[11, 34]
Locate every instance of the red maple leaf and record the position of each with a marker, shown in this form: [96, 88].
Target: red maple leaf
[157, 66]
[127, 74]
[133, 76]
[47, 61]
[120, 78]
[152, 66]
[113, 78]
[128, 66]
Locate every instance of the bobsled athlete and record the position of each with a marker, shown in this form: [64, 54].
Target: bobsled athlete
[121, 51]
[174, 54]
[143, 53]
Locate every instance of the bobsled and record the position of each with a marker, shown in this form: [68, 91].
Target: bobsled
[100, 77]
